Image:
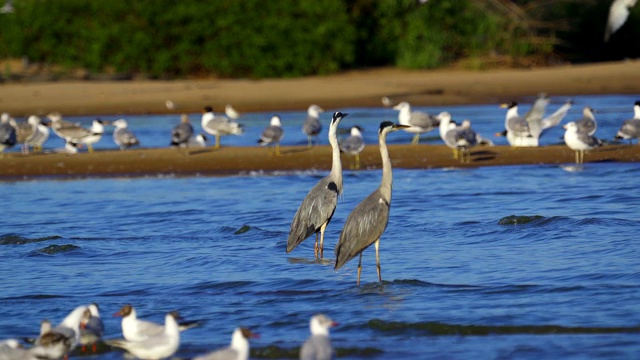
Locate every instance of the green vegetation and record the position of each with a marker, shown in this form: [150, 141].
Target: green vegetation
[287, 38]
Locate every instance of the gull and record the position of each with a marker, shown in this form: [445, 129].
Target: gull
[8, 136]
[11, 349]
[353, 145]
[231, 112]
[312, 125]
[535, 121]
[67, 130]
[588, 123]
[27, 131]
[95, 134]
[368, 220]
[630, 129]
[466, 138]
[134, 329]
[170, 105]
[579, 141]
[318, 345]
[158, 346]
[317, 208]
[448, 132]
[618, 14]
[40, 135]
[62, 339]
[182, 133]
[122, 136]
[517, 128]
[199, 140]
[91, 326]
[219, 125]
[7, 8]
[386, 102]
[419, 122]
[71, 148]
[272, 134]
[238, 350]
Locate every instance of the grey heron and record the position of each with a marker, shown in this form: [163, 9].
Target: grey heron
[237, 350]
[317, 208]
[630, 129]
[318, 345]
[219, 125]
[312, 126]
[418, 121]
[181, 133]
[353, 145]
[272, 134]
[368, 220]
[579, 141]
[122, 136]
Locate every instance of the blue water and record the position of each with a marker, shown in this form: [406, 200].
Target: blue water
[564, 282]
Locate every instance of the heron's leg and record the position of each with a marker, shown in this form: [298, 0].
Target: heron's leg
[315, 247]
[359, 269]
[378, 260]
[416, 139]
[322, 228]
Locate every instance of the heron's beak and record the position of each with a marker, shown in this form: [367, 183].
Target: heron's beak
[504, 105]
[400, 126]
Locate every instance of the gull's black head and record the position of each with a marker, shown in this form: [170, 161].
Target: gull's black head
[208, 109]
[637, 103]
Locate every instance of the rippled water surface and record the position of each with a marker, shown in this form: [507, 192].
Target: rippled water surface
[496, 262]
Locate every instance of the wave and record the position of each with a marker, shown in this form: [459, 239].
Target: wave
[14, 239]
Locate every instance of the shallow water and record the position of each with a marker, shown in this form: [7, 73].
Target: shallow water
[496, 262]
[457, 284]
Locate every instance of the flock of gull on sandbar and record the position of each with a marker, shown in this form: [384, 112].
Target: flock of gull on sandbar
[363, 227]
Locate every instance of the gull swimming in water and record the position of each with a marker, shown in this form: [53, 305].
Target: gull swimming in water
[134, 329]
[618, 14]
[418, 121]
[272, 134]
[318, 345]
[368, 220]
[122, 136]
[579, 141]
[238, 350]
[182, 133]
[317, 208]
[630, 129]
[353, 145]
[588, 123]
[231, 112]
[154, 347]
[91, 326]
[219, 125]
[11, 349]
[312, 125]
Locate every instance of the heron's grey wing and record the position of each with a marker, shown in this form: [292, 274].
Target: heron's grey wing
[312, 126]
[181, 133]
[317, 347]
[363, 227]
[223, 354]
[518, 125]
[316, 209]
[555, 118]
[423, 120]
[631, 128]
[271, 133]
[352, 144]
[589, 139]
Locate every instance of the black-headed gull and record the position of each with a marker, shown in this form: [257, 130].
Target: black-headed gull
[158, 346]
[238, 350]
[134, 329]
[59, 341]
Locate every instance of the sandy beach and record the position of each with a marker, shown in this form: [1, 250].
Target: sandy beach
[352, 89]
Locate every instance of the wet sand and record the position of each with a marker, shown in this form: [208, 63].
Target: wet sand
[353, 89]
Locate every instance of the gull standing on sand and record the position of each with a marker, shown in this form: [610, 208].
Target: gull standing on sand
[159, 346]
[579, 141]
[312, 125]
[630, 129]
[466, 138]
[182, 133]
[588, 123]
[59, 341]
[96, 131]
[40, 135]
[28, 132]
[219, 125]
[122, 136]
[353, 145]
[418, 122]
[317, 208]
[272, 134]
[448, 131]
[369, 219]
[8, 136]
[134, 329]
[618, 14]
[318, 345]
[238, 350]
[517, 128]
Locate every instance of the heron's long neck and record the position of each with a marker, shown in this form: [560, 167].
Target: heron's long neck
[336, 165]
[387, 176]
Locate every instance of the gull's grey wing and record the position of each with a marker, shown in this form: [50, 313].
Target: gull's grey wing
[312, 126]
[317, 347]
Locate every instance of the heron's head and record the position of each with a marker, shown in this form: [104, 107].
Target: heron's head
[208, 109]
[509, 105]
[637, 103]
[337, 116]
[387, 127]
